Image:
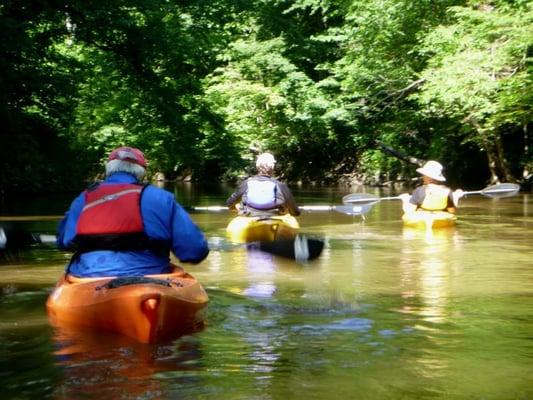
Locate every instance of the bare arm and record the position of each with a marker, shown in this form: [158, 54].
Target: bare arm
[453, 203]
[410, 203]
[407, 206]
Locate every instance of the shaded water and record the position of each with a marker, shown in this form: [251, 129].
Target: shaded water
[384, 313]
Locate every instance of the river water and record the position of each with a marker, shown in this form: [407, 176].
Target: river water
[385, 313]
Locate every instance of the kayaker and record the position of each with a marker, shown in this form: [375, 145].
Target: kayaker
[123, 227]
[433, 195]
[262, 194]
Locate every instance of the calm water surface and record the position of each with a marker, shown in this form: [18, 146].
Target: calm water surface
[384, 313]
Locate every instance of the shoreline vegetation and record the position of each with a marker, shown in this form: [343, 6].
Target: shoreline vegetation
[341, 92]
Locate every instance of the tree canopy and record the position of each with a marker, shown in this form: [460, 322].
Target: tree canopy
[202, 85]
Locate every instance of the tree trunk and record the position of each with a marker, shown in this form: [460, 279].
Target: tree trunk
[526, 173]
[499, 170]
[503, 166]
[491, 158]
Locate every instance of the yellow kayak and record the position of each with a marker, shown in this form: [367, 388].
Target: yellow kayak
[244, 229]
[429, 219]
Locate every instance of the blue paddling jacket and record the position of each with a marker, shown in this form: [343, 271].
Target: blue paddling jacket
[166, 225]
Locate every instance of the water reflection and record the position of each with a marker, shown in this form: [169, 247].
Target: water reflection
[426, 270]
[383, 313]
[261, 268]
[101, 364]
[426, 274]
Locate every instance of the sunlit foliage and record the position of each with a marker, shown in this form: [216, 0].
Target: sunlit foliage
[202, 86]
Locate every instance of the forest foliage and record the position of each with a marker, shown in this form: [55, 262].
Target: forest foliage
[201, 86]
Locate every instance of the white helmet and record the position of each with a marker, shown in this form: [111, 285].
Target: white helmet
[433, 170]
[265, 160]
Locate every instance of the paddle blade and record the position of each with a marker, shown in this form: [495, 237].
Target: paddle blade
[301, 248]
[14, 241]
[360, 198]
[501, 190]
[356, 209]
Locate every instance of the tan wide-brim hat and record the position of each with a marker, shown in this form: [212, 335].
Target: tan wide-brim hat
[433, 170]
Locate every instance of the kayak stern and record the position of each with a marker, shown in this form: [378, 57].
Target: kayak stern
[149, 309]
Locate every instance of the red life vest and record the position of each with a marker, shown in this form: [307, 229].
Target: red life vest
[112, 220]
[111, 209]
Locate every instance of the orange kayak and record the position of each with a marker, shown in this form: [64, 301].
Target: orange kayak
[149, 308]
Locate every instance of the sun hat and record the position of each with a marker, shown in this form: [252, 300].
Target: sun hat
[433, 170]
[265, 160]
[130, 154]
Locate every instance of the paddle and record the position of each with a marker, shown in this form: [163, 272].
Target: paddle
[342, 208]
[21, 218]
[301, 248]
[16, 238]
[494, 191]
[497, 191]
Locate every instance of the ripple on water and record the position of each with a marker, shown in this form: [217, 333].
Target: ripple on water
[349, 324]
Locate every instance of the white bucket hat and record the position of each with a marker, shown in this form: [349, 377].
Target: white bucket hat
[265, 160]
[433, 170]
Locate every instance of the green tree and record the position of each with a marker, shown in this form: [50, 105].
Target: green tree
[198, 84]
[378, 70]
[479, 73]
[268, 102]
[37, 93]
[143, 87]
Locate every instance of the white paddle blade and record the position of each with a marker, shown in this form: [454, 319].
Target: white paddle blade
[3, 238]
[355, 209]
[301, 248]
[501, 190]
[360, 198]
[48, 239]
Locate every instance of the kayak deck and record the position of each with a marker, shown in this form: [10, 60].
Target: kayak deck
[244, 229]
[149, 309]
[429, 219]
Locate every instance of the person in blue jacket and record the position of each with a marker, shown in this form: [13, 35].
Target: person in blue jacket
[122, 227]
